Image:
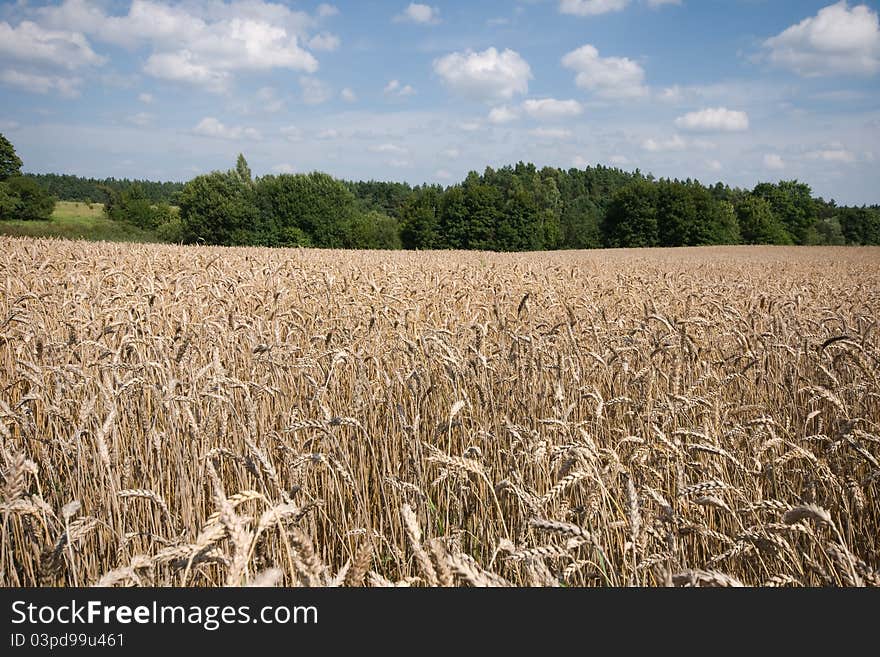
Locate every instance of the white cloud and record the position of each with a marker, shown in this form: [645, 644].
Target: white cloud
[674, 143]
[325, 10]
[388, 148]
[580, 162]
[551, 109]
[395, 88]
[834, 154]
[502, 114]
[591, 7]
[619, 160]
[146, 98]
[714, 165]
[442, 174]
[654, 4]
[200, 43]
[419, 13]
[291, 133]
[269, 100]
[488, 75]
[327, 134]
[284, 168]
[837, 40]
[714, 119]
[607, 77]
[773, 162]
[348, 95]
[42, 84]
[183, 67]
[31, 43]
[550, 133]
[314, 91]
[324, 41]
[141, 119]
[671, 94]
[211, 127]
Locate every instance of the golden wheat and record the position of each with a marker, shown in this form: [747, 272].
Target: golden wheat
[204, 417]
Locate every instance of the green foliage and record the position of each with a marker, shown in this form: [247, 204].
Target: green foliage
[373, 230]
[74, 188]
[242, 169]
[219, 208]
[420, 218]
[315, 204]
[22, 198]
[793, 205]
[631, 220]
[10, 163]
[134, 207]
[758, 223]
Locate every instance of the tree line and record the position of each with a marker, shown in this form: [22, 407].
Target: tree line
[512, 208]
[66, 187]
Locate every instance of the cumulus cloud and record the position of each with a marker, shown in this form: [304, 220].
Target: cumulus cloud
[674, 143]
[395, 88]
[419, 13]
[591, 7]
[502, 114]
[284, 168]
[211, 127]
[198, 43]
[551, 109]
[324, 41]
[183, 67]
[488, 75]
[348, 95]
[325, 11]
[607, 77]
[42, 84]
[31, 43]
[834, 154]
[146, 98]
[773, 162]
[714, 119]
[837, 40]
[314, 91]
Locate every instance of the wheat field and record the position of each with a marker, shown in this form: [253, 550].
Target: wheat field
[194, 416]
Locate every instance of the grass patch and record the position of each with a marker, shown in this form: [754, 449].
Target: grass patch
[78, 221]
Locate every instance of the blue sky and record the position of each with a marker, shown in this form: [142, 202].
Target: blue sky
[734, 90]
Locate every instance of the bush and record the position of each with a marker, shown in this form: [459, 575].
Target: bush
[22, 198]
[220, 208]
[373, 230]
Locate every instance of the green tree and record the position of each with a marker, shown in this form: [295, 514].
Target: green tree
[793, 204]
[631, 220]
[242, 169]
[420, 218]
[315, 205]
[373, 230]
[219, 208]
[22, 198]
[10, 163]
[758, 223]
